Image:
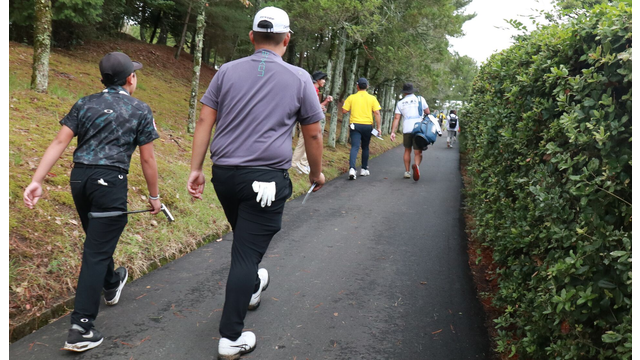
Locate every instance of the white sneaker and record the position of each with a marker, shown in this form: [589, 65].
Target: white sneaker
[302, 168]
[263, 274]
[352, 174]
[228, 350]
[111, 297]
[364, 172]
[407, 175]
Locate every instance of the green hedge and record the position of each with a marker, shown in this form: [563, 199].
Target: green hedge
[548, 133]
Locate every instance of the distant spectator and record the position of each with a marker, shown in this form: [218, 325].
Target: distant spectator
[299, 159]
[453, 127]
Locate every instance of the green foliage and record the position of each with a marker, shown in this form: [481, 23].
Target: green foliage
[549, 136]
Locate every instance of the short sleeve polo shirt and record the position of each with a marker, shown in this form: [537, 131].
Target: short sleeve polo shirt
[361, 105]
[109, 125]
[258, 100]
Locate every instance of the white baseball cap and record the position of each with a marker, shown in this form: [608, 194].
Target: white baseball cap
[271, 19]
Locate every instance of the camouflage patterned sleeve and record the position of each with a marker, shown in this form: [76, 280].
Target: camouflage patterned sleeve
[71, 119]
[147, 131]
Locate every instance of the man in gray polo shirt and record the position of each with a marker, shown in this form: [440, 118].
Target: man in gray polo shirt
[254, 102]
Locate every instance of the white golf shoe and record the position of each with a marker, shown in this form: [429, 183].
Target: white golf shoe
[263, 274]
[230, 350]
[352, 174]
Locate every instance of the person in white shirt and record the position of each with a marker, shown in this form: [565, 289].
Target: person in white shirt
[453, 126]
[409, 109]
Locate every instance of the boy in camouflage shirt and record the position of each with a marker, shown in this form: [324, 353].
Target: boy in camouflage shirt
[109, 126]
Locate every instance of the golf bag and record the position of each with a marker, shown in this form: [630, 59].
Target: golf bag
[424, 133]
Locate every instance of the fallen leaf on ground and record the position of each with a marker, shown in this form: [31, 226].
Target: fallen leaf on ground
[435, 332]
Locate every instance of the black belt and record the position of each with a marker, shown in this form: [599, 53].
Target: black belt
[95, 166]
[248, 167]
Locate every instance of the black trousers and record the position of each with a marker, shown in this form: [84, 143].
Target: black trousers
[97, 189]
[253, 228]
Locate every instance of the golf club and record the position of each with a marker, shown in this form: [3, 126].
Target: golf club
[309, 192]
[163, 208]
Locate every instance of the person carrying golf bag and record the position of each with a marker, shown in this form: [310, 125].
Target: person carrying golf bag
[109, 126]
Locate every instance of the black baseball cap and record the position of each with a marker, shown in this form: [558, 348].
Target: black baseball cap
[117, 66]
[318, 75]
[363, 83]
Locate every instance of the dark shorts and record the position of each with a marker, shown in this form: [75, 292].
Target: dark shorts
[407, 141]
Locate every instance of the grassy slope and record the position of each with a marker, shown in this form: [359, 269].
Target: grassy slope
[46, 243]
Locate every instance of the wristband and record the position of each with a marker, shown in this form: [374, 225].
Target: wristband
[154, 197]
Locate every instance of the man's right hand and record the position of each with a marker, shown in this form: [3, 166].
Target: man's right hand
[155, 206]
[393, 136]
[195, 185]
[319, 180]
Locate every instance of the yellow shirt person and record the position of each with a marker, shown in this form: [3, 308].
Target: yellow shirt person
[363, 107]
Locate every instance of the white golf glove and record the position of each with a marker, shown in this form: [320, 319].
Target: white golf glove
[266, 192]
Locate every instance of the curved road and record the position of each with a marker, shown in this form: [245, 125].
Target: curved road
[374, 268]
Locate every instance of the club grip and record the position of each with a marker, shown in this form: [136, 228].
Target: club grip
[105, 214]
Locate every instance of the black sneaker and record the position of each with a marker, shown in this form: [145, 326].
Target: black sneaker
[112, 296]
[82, 340]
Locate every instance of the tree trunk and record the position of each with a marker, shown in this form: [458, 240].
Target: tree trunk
[333, 124]
[143, 20]
[192, 46]
[365, 70]
[184, 31]
[206, 49]
[344, 133]
[156, 25]
[384, 103]
[393, 101]
[164, 33]
[329, 81]
[197, 61]
[291, 52]
[143, 36]
[41, 46]
[235, 47]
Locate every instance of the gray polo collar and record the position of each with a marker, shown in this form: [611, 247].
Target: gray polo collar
[269, 51]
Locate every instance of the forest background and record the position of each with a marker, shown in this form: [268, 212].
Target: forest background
[388, 42]
[55, 46]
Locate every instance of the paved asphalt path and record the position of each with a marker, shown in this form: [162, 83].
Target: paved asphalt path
[374, 268]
